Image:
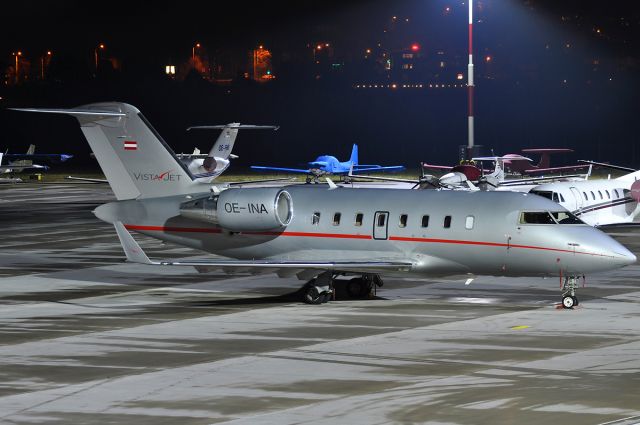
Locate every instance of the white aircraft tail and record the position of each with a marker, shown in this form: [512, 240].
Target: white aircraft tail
[132, 155]
[218, 158]
[224, 144]
[631, 177]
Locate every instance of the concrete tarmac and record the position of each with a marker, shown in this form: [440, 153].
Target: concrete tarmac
[86, 338]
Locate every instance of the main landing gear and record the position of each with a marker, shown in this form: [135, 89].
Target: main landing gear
[318, 290]
[321, 289]
[363, 287]
[569, 286]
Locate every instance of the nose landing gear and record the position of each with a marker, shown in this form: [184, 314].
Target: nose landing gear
[569, 286]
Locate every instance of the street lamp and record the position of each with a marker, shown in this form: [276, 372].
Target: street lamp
[95, 53]
[42, 62]
[17, 55]
[193, 51]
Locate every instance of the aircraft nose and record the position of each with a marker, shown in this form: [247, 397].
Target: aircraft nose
[626, 257]
[620, 253]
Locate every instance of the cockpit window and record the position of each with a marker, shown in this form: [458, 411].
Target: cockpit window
[565, 217]
[543, 193]
[546, 217]
[538, 217]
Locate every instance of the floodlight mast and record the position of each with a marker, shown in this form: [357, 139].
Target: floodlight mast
[470, 84]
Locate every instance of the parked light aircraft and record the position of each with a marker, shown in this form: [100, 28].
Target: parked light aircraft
[327, 164]
[18, 162]
[205, 168]
[512, 164]
[518, 164]
[321, 233]
[471, 177]
[597, 202]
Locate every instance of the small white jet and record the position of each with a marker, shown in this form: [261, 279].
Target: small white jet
[597, 202]
[207, 167]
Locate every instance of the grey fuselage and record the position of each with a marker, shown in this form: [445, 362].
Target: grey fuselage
[484, 235]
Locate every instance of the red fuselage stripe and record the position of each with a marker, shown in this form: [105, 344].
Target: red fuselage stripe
[310, 235]
[351, 236]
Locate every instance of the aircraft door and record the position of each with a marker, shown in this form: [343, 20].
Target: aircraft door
[381, 225]
[578, 198]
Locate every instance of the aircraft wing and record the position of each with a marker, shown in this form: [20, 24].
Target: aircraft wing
[86, 179]
[436, 167]
[375, 168]
[135, 254]
[288, 170]
[516, 182]
[18, 168]
[53, 157]
[605, 165]
[555, 169]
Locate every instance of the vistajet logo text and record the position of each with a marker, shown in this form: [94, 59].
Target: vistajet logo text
[167, 176]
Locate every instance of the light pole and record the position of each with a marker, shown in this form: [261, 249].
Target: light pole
[17, 55]
[95, 53]
[42, 63]
[193, 51]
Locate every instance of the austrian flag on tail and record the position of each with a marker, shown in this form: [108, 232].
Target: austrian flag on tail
[130, 145]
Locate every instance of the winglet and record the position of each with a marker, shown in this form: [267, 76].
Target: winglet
[331, 184]
[132, 250]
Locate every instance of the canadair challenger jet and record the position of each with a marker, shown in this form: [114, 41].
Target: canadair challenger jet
[320, 233]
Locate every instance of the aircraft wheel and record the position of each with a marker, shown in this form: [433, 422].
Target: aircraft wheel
[310, 295]
[326, 297]
[568, 301]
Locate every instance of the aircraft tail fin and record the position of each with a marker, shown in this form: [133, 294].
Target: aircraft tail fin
[133, 156]
[31, 150]
[354, 155]
[224, 144]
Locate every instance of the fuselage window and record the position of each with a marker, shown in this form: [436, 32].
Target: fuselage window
[538, 217]
[447, 221]
[403, 220]
[468, 223]
[593, 196]
[315, 220]
[336, 219]
[600, 193]
[381, 220]
[586, 198]
[607, 192]
[615, 192]
[359, 217]
[425, 221]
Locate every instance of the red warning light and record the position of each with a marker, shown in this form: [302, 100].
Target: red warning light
[415, 47]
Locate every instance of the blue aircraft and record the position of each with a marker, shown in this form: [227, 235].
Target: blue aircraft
[327, 164]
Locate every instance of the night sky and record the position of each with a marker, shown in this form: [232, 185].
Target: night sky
[562, 74]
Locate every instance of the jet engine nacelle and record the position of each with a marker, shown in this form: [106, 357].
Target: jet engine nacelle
[243, 209]
[453, 179]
